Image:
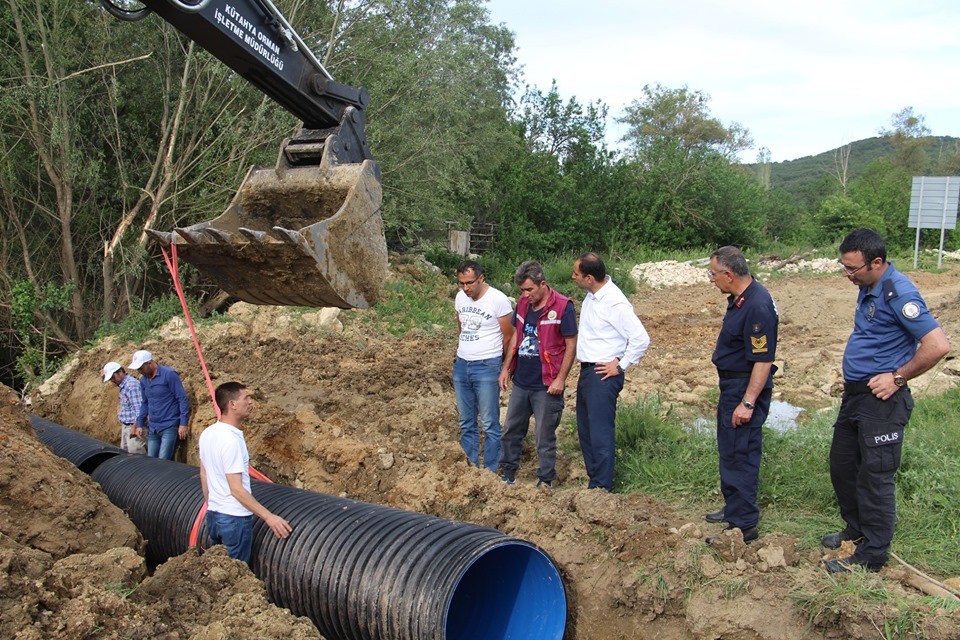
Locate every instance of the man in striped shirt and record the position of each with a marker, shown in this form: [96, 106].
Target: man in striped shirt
[130, 399]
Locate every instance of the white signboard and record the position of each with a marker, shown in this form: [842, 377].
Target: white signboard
[933, 205]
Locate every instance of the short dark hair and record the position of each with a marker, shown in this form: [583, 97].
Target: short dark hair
[733, 259]
[470, 265]
[868, 242]
[226, 392]
[592, 265]
[529, 270]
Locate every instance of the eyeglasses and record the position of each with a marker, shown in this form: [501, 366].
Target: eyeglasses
[467, 283]
[713, 276]
[847, 271]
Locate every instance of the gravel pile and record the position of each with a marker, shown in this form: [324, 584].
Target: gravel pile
[669, 273]
[817, 265]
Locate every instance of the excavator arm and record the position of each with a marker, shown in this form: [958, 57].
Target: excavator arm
[308, 231]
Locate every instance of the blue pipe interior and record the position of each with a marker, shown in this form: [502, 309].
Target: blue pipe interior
[520, 596]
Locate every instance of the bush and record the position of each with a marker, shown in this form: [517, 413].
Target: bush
[138, 326]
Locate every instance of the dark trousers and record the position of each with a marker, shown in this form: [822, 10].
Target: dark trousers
[596, 415]
[546, 410]
[741, 450]
[864, 456]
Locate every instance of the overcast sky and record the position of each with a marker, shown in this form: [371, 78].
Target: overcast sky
[803, 77]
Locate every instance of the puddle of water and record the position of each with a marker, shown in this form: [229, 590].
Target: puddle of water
[781, 418]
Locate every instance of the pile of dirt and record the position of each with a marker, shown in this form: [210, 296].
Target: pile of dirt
[351, 410]
[72, 566]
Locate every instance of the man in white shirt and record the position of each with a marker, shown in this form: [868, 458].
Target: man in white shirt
[483, 318]
[611, 340]
[225, 477]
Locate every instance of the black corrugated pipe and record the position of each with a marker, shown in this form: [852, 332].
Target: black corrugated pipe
[359, 570]
[82, 450]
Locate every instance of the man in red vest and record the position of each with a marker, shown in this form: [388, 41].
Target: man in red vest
[539, 358]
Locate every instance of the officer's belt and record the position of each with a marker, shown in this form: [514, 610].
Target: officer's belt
[856, 388]
[724, 374]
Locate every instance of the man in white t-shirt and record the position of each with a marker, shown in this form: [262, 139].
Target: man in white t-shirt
[483, 317]
[225, 477]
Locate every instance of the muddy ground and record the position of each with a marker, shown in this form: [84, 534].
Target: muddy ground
[348, 409]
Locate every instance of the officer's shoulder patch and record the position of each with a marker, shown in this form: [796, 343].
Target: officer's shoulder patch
[911, 310]
[759, 344]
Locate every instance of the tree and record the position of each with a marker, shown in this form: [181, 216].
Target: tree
[883, 189]
[841, 166]
[908, 135]
[688, 199]
[763, 167]
[682, 117]
[838, 215]
[439, 76]
[556, 189]
[558, 129]
[110, 128]
[948, 159]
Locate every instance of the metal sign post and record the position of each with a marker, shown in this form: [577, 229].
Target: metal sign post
[933, 204]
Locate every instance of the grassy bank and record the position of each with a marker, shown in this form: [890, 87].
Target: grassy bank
[660, 457]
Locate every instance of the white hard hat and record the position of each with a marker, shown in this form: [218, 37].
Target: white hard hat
[109, 369]
[140, 358]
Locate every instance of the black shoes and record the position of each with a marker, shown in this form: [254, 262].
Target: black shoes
[714, 516]
[749, 534]
[843, 565]
[833, 540]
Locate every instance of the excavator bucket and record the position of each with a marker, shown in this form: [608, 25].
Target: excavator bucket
[295, 235]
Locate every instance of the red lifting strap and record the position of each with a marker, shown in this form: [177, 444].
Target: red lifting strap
[173, 265]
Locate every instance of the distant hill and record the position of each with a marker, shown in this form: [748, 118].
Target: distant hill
[794, 176]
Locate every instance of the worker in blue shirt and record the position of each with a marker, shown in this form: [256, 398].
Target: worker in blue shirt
[882, 354]
[164, 410]
[746, 348]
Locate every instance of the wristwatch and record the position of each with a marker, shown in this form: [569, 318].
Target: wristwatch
[747, 404]
[619, 369]
[899, 380]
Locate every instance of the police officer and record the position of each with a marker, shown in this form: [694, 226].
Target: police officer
[881, 356]
[744, 356]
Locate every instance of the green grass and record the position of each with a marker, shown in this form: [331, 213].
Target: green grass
[142, 324]
[419, 300]
[866, 595]
[658, 456]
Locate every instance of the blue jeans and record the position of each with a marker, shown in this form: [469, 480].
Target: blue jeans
[478, 391]
[234, 532]
[162, 445]
[596, 425]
